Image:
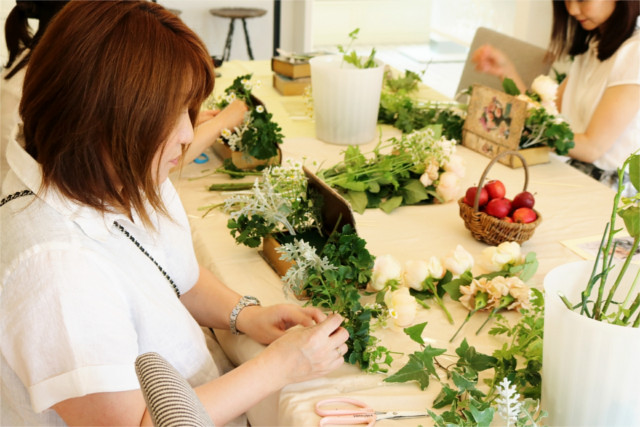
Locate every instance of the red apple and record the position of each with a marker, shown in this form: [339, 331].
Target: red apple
[507, 219]
[499, 208]
[470, 196]
[524, 215]
[523, 200]
[496, 189]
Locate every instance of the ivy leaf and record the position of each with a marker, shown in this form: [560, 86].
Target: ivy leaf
[415, 332]
[483, 417]
[463, 383]
[470, 357]
[390, 204]
[418, 368]
[357, 199]
[446, 397]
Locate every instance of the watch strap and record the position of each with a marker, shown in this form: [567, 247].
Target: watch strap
[245, 301]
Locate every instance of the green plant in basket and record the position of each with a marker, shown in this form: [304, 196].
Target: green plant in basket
[604, 308]
[399, 108]
[543, 126]
[258, 135]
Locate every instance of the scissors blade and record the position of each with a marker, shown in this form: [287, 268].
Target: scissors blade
[394, 415]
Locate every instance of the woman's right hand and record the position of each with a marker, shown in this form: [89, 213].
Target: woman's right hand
[306, 353]
[492, 61]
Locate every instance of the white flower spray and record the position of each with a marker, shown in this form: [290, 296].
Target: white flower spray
[509, 404]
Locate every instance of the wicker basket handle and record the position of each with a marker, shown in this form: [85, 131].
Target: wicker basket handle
[476, 201]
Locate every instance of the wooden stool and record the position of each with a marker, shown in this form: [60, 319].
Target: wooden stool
[234, 13]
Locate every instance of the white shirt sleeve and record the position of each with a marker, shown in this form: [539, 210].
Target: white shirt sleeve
[626, 67]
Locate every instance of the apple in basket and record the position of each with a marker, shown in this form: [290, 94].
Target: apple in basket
[523, 200]
[524, 215]
[495, 189]
[470, 196]
[498, 208]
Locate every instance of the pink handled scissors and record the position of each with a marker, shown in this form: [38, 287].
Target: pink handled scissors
[359, 413]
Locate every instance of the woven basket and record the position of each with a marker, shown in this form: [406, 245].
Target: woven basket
[489, 229]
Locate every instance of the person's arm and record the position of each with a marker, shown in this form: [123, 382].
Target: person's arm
[616, 109]
[208, 131]
[491, 60]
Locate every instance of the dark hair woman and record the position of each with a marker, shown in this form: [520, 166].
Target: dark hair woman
[600, 98]
[97, 261]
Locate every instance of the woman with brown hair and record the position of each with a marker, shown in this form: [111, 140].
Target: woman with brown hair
[97, 262]
[600, 98]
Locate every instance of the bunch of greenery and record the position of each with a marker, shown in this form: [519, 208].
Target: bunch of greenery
[542, 127]
[393, 179]
[351, 57]
[400, 109]
[331, 276]
[258, 135]
[627, 208]
[519, 361]
[280, 201]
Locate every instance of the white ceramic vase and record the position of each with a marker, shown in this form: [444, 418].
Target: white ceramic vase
[346, 100]
[590, 369]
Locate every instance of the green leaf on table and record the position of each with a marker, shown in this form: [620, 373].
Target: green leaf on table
[631, 218]
[453, 287]
[418, 368]
[634, 171]
[415, 332]
[390, 204]
[447, 396]
[413, 192]
[482, 417]
[471, 358]
[510, 87]
[526, 270]
[463, 383]
[357, 200]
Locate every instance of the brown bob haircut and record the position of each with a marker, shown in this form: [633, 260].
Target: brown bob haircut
[102, 92]
[568, 36]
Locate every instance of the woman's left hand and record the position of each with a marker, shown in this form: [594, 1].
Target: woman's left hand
[265, 324]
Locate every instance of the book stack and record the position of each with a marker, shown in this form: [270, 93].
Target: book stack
[291, 74]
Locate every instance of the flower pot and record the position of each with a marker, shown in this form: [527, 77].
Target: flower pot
[245, 161]
[346, 100]
[591, 369]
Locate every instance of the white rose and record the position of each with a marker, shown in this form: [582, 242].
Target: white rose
[435, 268]
[545, 87]
[385, 268]
[551, 107]
[494, 258]
[458, 261]
[448, 186]
[455, 165]
[402, 306]
[415, 271]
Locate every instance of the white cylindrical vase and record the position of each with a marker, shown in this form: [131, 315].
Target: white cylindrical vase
[590, 369]
[346, 100]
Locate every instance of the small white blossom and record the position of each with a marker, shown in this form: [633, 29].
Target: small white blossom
[230, 97]
[226, 133]
[260, 109]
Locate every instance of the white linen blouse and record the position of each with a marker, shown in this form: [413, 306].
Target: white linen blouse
[588, 79]
[80, 302]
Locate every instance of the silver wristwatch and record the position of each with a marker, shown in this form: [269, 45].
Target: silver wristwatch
[245, 301]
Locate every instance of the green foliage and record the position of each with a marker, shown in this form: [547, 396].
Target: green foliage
[387, 181]
[351, 57]
[399, 109]
[461, 396]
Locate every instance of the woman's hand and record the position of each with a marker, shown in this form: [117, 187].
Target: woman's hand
[491, 60]
[266, 324]
[304, 354]
[205, 115]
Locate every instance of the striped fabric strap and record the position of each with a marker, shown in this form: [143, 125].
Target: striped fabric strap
[171, 401]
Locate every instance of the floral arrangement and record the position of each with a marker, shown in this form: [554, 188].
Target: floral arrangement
[543, 125]
[258, 135]
[279, 201]
[421, 168]
[627, 208]
[400, 108]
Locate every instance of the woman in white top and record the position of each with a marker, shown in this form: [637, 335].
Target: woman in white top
[600, 98]
[97, 262]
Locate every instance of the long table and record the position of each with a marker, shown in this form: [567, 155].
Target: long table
[572, 206]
